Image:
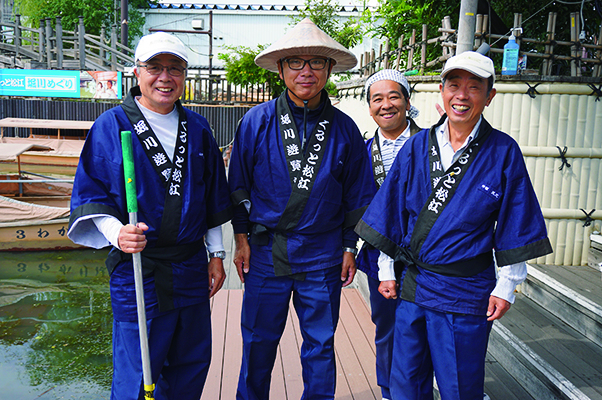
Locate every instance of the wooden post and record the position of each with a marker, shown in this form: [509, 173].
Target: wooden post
[597, 72]
[484, 28]
[380, 57]
[17, 34]
[387, 51]
[372, 61]
[400, 49]
[361, 61]
[478, 31]
[59, 43]
[101, 51]
[48, 43]
[447, 25]
[549, 49]
[423, 48]
[410, 63]
[573, 18]
[114, 48]
[41, 42]
[81, 35]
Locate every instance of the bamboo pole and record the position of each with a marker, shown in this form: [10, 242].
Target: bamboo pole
[410, 63]
[380, 57]
[372, 62]
[478, 31]
[423, 48]
[387, 51]
[598, 68]
[399, 51]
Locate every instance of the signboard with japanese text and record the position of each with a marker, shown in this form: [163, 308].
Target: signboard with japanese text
[51, 83]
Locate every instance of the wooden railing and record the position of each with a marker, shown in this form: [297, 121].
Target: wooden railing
[583, 59]
[56, 48]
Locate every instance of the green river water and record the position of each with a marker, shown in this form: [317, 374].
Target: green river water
[55, 325]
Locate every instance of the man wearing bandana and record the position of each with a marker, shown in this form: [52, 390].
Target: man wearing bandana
[455, 192]
[388, 97]
[183, 199]
[297, 173]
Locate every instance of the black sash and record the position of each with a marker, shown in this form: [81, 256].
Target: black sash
[302, 168]
[444, 187]
[378, 168]
[172, 174]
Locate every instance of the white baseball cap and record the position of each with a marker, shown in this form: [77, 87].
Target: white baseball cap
[159, 43]
[473, 62]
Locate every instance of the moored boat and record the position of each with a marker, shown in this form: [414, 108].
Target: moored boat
[31, 227]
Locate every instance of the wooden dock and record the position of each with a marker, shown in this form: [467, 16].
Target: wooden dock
[354, 348]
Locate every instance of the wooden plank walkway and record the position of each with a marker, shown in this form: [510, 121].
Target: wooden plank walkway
[354, 348]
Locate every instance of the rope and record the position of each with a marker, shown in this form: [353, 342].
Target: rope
[588, 217]
[563, 158]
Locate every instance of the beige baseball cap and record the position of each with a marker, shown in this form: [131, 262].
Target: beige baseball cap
[473, 62]
[159, 43]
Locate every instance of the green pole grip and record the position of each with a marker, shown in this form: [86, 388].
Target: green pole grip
[129, 172]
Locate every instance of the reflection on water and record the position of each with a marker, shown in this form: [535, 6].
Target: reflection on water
[55, 325]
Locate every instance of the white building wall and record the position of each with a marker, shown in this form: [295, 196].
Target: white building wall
[230, 28]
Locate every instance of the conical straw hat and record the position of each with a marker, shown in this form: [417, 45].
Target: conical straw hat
[306, 39]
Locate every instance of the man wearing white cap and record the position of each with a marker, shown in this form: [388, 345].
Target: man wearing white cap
[182, 197]
[388, 96]
[297, 173]
[455, 192]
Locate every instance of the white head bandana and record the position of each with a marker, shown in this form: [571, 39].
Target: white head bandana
[395, 76]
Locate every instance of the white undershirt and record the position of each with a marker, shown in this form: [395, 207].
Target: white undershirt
[509, 276]
[165, 127]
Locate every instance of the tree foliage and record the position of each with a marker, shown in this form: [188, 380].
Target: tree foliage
[96, 13]
[241, 68]
[324, 13]
[394, 18]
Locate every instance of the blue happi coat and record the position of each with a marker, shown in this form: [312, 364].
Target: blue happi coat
[99, 189]
[494, 207]
[258, 173]
[367, 258]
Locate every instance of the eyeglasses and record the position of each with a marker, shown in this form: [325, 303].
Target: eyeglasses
[298, 64]
[157, 69]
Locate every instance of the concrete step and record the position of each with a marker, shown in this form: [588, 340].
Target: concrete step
[573, 294]
[549, 340]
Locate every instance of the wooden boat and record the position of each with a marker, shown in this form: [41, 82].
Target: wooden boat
[54, 152]
[27, 226]
[34, 213]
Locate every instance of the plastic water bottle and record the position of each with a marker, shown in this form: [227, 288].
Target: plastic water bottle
[510, 62]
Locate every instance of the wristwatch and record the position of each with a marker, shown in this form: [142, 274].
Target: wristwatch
[350, 250]
[218, 254]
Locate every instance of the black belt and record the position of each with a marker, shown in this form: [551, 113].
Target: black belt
[158, 260]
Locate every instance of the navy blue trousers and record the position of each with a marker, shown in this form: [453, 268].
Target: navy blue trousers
[180, 352]
[264, 313]
[383, 316]
[452, 346]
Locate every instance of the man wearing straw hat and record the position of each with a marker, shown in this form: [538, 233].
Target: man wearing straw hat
[454, 193]
[182, 197]
[297, 173]
[388, 97]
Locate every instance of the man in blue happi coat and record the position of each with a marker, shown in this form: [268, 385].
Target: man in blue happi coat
[455, 193]
[183, 199]
[388, 96]
[297, 173]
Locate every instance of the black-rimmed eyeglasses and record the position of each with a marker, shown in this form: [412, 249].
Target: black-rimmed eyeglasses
[298, 64]
[157, 69]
